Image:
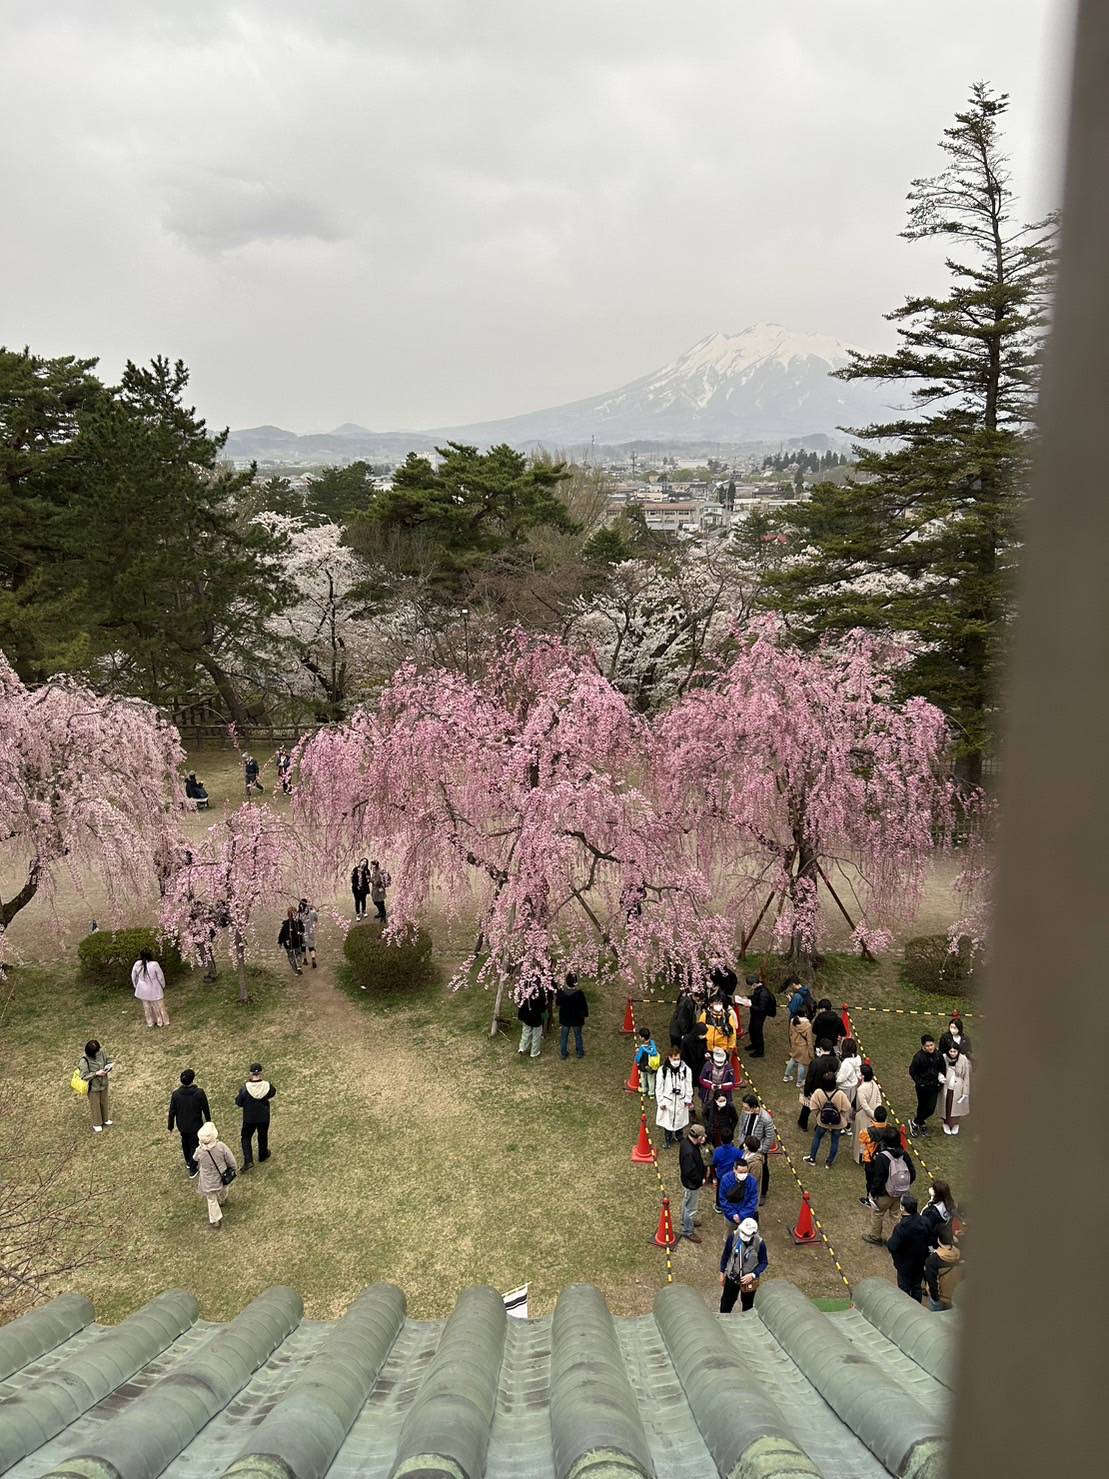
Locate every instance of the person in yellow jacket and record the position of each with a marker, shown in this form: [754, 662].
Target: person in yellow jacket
[722, 1026]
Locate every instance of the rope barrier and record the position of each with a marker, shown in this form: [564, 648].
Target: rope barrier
[654, 1152]
[668, 1001]
[824, 1238]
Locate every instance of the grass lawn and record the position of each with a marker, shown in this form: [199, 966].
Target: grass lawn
[409, 1146]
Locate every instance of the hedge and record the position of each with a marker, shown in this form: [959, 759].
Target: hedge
[382, 965]
[931, 965]
[108, 955]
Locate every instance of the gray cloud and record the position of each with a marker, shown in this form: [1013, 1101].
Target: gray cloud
[435, 211]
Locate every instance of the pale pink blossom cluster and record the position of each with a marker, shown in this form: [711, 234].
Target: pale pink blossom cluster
[90, 789]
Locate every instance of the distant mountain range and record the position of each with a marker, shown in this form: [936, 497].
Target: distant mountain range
[764, 384]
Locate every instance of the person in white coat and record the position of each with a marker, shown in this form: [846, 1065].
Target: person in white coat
[673, 1095]
[956, 1089]
[850, 1071]
[150, 989]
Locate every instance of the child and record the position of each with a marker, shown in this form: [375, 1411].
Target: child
[648, 1057]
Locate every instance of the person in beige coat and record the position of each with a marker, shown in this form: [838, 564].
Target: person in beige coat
[800, 1049]
[213, 1158]
[831, 1110]
[955, 1093]
[868, 1099]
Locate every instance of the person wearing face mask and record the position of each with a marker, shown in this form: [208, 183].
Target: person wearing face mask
[742, 1264]
[717, 1077]
[722, 1024]
[721, 1116]
[955, 1037]
[758, 1126]
[674, 1096]
[739, 1194]
[956, 1089]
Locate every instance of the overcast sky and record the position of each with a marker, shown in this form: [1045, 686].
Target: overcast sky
[412, 213]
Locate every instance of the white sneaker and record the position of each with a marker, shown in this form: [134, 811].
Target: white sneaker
[947, 1130]
[107, 1123]
[96, 1129]
[954, 1129]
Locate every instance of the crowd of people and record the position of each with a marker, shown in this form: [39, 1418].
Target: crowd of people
[693, 1085]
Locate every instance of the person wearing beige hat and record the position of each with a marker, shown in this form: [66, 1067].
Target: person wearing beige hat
[216, 1164]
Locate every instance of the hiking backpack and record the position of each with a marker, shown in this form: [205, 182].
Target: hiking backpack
[898, 1179]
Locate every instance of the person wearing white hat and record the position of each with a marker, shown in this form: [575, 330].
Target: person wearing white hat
[742, 1264]
[216, 1164]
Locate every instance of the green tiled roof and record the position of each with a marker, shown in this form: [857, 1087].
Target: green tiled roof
[785, 1392]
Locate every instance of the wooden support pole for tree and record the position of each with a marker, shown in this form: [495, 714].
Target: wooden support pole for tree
[750, 935]
[828, 884]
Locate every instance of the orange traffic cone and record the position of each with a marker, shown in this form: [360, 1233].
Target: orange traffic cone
[632, 1085]
[629, 1018]
[643, 1155]
[776, 1148]
[805, 1231]
[904, 1138]
[665, 1237]
[845, 1018]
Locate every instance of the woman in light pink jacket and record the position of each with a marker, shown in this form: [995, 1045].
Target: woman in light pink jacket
[150, 989]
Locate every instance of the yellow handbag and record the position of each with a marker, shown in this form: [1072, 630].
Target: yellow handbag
[78, 1084]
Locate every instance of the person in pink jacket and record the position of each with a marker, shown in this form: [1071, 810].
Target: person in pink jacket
[150, 988]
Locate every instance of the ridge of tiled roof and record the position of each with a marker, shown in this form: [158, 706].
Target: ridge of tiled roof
[786, 1392]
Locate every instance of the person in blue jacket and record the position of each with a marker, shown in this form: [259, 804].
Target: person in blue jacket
[724, 1158]
[739, 1194]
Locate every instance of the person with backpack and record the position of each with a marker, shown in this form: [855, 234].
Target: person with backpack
[801, 998]
[290, 938]
[742, 1265]
[649, 1060]
[833, 1115]
[188, 1110]
[871, 1141]
[868, 1101]
[216, 1171]
[892, 1176]
[254, 1101]
[908, 1247]
[150, 988]
[828, 1024]
[927, 1071]
[691, 1171]
[758, 1126]
[763, 1005]
[673, 1097]
[943, 1271]
[800, 1048]
[824, 1063]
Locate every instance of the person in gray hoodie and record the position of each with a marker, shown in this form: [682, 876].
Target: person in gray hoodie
[254, 1101]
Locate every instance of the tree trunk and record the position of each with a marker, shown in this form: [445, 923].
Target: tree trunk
[240, 968]
[806, 868]
[18, 901]
[226, 690]
[496, 1007]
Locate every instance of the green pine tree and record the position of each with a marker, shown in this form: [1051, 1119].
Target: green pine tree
[924, 543]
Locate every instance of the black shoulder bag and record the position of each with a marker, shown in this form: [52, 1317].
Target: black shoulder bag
[227, 1175]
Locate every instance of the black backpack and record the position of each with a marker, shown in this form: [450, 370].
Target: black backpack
[829, 1116]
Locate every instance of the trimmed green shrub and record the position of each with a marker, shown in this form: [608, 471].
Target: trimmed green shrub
[380, 965]
[931, 965]
[108, 955]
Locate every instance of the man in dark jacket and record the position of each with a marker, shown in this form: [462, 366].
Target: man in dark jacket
[825, 1064]
[695, 1049]
[763, 1005]
[254, 1101]
[188, 1110]
[828, 1024]
[572, 1012]
[691, 1169]
[891, 1174]
[683, 1019]
[927, 1073]
[909, 1247]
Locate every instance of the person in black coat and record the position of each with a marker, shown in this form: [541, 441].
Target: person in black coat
[824, 1065]
[763, 1005]
[695, 1049]
[572, 1012]
[684, 1018]
[188, 1110]
[691, 1173]
[721, 1118]
[531, 1013]
[254, 1101]
[360, 886]
[828, 1024]
[927, 1072]
[909, 1245]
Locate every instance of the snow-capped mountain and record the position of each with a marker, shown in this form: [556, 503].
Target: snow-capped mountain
[763, 383]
